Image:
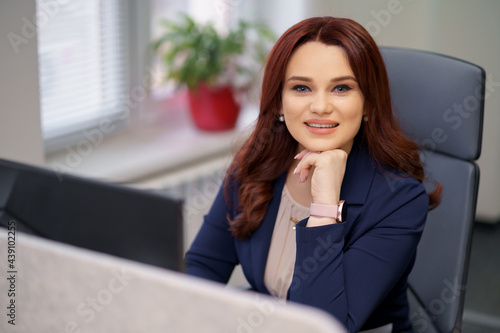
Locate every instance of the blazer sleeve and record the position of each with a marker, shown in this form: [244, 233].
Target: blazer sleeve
[350, 280]
[213, 255]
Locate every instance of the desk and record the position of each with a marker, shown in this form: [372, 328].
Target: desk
[60, 288]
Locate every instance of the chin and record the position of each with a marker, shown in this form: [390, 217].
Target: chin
[321, 147]
[316, 145]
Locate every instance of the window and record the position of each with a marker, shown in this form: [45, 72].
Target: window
[83, 64]
[95, 61]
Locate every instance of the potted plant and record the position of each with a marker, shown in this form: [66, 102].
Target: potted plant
[213, 66]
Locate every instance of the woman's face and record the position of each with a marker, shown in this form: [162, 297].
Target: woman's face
[322, 101]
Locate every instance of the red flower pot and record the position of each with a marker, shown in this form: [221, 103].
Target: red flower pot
[213, 108]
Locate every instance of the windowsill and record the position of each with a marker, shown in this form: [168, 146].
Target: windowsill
[143, 151]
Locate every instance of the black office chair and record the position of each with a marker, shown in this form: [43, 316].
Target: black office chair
[439, 102]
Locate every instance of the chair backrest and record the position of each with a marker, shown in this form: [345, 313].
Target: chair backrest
[439, 102]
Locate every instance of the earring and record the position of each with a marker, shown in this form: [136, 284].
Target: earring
[281, 118]
[365, 118]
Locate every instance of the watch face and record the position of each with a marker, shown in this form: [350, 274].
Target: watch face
[343, 211]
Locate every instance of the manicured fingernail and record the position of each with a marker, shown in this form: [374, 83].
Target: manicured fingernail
[296, 156]
[295, 170]
[301, 178]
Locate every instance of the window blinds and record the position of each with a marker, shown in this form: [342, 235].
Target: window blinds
[83, 63]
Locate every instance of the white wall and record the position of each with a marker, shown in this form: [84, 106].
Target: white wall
[470, 30]
[20, 130]
[464, 29]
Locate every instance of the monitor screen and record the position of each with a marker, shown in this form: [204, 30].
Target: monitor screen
[104, 217]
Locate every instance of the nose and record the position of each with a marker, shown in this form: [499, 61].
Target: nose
[321, 104]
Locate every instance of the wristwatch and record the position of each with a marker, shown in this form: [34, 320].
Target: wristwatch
[338, 212]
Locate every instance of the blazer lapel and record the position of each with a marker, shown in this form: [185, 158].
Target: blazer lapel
[358, 178]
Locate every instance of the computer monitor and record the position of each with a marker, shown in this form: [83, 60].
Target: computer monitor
[134, 224]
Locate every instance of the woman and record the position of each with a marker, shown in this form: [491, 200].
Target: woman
[325, 142]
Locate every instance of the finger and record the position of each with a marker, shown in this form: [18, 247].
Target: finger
[305, 164]
[300, 155]
[303, 175]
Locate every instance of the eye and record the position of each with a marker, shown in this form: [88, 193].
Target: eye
[343, 88]
[301, 88]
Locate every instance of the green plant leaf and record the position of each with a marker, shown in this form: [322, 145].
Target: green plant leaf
[194, 53]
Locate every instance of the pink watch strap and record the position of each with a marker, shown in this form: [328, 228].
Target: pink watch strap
[320, 210]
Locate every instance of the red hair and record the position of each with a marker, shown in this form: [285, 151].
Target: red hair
[269, 150]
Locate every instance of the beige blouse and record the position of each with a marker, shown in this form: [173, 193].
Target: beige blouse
[281, 259]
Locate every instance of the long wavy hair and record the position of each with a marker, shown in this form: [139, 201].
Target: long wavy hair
[269, 150]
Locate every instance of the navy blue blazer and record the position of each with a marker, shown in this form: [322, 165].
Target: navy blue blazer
[356, 270]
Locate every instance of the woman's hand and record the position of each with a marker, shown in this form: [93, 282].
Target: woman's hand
[328, 169]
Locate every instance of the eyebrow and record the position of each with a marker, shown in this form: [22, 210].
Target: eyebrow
[336, 79]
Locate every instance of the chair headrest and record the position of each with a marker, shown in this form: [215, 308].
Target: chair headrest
[438, 100]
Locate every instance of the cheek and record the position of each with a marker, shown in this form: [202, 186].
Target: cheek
[292, 107]
[352, 109]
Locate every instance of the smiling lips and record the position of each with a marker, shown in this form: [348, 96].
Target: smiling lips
[321, 126]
